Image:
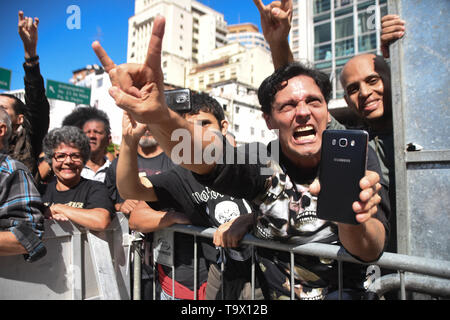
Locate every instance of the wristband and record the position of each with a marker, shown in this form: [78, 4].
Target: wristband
[32, 59]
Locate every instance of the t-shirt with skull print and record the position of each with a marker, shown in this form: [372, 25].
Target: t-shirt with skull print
[287, 213]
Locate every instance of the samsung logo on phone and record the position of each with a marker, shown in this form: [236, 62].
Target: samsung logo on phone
[341, 160]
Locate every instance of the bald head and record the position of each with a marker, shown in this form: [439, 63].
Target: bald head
[366, 82]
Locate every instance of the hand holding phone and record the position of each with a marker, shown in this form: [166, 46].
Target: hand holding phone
[343, 164]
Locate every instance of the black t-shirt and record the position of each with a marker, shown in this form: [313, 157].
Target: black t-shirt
[179, 190]
[87, 194]
[146, 167]
[290, 218]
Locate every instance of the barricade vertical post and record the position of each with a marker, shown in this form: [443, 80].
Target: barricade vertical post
[402, 285]
[137, 271]
[253, 271]
[77, 283]
[340, 279]
[154, 276]
[292, 277]
[173, 282]
[195, 267]
[222, 270]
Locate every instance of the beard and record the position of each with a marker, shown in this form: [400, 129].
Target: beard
[148, 142]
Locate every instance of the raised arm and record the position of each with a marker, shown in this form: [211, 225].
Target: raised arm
[128, 183]
[276, 23]
[37, 106]
[392, 29]
[139, 90]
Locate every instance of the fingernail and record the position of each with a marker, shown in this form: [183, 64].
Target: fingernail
[113, 91]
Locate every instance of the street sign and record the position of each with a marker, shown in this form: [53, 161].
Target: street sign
[68, 92]
[5, 79]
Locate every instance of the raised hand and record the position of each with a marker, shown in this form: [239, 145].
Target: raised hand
[275, 19]
[132, 131]
[392, 29]
[139, 89]
[276, 23]
[28, 31]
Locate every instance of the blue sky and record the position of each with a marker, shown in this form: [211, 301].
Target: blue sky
[62, 50]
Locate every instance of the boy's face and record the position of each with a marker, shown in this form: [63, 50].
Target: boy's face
[207, 121]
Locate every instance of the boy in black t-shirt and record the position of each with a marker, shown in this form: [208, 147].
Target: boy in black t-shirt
[192, 203]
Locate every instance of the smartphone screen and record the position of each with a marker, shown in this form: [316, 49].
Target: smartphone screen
[342, 166]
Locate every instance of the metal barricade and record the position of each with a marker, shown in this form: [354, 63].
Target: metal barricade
[415, 274]
[79, 265]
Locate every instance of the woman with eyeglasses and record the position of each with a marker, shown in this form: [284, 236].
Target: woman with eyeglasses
[70, 196]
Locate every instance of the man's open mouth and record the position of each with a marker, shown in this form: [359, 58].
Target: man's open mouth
[304, 133]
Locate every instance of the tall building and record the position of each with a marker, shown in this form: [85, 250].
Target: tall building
[248, 35]
[201, 53]
[231, 62]
[330, 32]
[192, 31]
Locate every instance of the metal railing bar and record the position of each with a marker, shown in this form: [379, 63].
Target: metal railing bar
[393, 261]
[412, 282]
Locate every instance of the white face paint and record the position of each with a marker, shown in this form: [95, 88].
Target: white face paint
[298, 90]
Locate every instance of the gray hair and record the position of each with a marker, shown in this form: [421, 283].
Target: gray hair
[69, 135]
[4, 118]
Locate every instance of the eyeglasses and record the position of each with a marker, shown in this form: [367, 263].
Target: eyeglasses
[61, 157]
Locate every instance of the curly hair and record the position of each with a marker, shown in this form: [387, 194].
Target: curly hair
[70, 135]
[272, 84]
[81, 115]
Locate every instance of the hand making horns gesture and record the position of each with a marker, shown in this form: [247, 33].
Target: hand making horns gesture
[139, 88]
[275, 19]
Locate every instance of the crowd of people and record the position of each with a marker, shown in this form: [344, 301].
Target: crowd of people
[64, 174]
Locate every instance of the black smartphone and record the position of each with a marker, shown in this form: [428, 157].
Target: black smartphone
[343, 164]
[179, 100]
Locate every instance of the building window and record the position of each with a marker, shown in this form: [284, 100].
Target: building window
[236, 128]
[252, 131]
[321, 6]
